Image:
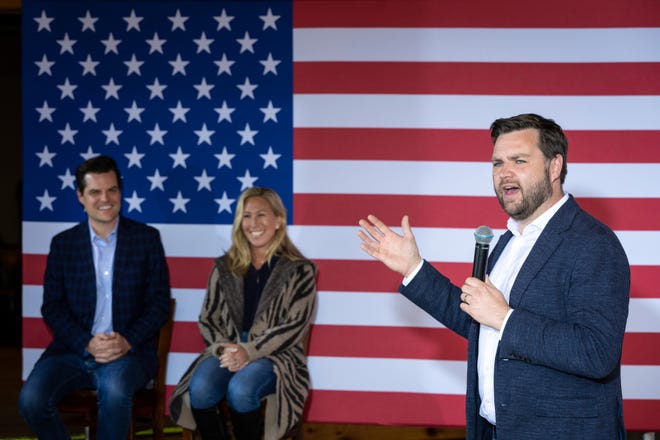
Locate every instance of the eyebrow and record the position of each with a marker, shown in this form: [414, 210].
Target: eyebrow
[512, 156]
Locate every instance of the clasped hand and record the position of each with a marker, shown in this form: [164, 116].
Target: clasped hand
[233, 357]
[108, 347]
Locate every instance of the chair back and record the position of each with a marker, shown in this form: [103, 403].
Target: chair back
[149, 403]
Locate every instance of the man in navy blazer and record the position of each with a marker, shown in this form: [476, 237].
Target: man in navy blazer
[545, 329]
[106, 296]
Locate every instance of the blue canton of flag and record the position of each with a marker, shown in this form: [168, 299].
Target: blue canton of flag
[193, 100]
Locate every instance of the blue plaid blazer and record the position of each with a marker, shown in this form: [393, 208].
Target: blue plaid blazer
[557, 367]
[140, 289]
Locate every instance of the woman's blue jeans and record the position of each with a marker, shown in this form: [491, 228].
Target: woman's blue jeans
[54, 377]
[243, 389]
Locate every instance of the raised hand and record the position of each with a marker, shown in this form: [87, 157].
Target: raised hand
[398, 252]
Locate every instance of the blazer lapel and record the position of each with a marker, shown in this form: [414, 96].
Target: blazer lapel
[499, 247]
[86, 264]
[550, 239]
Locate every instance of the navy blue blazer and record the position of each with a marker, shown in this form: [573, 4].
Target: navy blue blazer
[557, 368]
[140, 290]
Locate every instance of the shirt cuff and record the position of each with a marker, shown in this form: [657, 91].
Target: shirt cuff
[506, 319]
[409, 278]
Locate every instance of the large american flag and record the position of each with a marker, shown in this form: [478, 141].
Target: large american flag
[346, 108]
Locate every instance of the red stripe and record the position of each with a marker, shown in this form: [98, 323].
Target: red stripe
[641, 415]
[456, 211]
[408, 409]
[644, 281]
[484, 13]
[424, 211]
[477, 78]
[34, 266]
[366, 341]
[35, 333]
[373, 276]
[463, 145]
[636, 349]
[189, 272]
[387, 342]
[441, 410]
[384, 408]
[185, 272]
[186, 338]
[346, 275]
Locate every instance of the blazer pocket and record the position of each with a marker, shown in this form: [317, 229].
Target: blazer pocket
[566, 407]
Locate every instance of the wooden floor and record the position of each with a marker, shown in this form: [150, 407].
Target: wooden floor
[13, 427]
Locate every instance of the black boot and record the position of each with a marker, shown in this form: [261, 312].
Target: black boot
[210, 424]
[247, 426]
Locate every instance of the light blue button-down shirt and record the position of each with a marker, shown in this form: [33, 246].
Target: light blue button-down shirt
[104, 257]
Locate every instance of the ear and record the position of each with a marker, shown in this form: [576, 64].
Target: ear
[556, 165]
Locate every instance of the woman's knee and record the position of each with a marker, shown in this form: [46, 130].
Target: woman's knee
[207, 385]
[202, 397]
[241, 397]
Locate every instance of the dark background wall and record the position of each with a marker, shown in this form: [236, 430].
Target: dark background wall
[10, 177]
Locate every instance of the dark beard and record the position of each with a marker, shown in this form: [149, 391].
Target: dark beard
[538, 194]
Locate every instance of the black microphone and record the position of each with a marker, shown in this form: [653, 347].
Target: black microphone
[483, 235]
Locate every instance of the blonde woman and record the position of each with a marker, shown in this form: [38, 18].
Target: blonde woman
[255, 317]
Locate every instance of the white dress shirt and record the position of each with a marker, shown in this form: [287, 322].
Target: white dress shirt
[503, 276]
[104, 258]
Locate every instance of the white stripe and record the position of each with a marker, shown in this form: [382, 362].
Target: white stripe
[177, 364]
[473, 111]
[32, 300]
[393, 177]
[342, 243]
[30, 357]
[463, 178]
[388, 309]
[184, 240]
[476, 45]
[643, 315]
[394, 375]
[394, 310]
[37, 235]
[370, 309]
[640, 381]
[188, 304]
[389, 375]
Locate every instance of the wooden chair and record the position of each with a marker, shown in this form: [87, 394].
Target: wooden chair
[80, 408]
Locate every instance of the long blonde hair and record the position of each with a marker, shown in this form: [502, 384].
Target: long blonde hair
[239, 253]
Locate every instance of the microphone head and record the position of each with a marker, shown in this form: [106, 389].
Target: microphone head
[483, 235]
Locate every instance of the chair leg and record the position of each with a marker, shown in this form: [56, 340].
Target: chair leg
[187, 434]
[159, 427]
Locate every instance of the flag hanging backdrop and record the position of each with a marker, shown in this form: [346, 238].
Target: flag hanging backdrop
[345, 108]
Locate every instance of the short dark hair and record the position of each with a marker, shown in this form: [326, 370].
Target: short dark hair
[552, 140]
[97, 165]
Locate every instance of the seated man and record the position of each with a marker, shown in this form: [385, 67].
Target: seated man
[106, 296]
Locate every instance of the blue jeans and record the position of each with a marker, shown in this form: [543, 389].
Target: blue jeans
[54, 377]
[243, 390]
